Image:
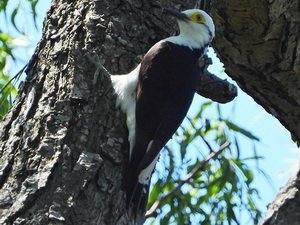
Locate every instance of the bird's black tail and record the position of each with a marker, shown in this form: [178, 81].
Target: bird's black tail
[136, 197]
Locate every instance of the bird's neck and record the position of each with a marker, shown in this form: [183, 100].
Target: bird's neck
[191, 41]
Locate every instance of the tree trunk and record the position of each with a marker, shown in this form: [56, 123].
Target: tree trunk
[285, 209]
[62, 151]
[258, 42]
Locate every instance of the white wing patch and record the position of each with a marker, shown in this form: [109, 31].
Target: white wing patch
[145, 174]
[125, 88]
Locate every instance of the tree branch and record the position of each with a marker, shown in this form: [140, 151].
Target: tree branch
[152, 211]
[212, 87]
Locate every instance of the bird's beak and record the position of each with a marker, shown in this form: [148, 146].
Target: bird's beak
[176, 14]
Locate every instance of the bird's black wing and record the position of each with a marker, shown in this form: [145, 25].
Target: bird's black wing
[167, 80]
[168, 77]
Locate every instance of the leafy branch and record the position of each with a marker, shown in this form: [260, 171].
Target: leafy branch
[221, 191]
[10, 12]
[152, 211]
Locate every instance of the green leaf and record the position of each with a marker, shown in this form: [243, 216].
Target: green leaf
[5, 38]
[33, 8]
[204, 106]
[13, 16]
[237, 128]
[3, 4]
[199, 115]
[219, 112]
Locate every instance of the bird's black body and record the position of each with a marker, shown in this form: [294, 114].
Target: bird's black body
[167, 81]
[166, 85]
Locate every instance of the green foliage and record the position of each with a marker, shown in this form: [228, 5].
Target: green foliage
[222, 193]
[16, 10]
[7, 88]
[33, 4]
[5, 94]
[3, 5]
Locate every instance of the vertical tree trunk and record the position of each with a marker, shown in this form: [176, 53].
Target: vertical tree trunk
[62, 158]
[63, 144]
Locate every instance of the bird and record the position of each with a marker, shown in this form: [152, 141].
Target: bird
[156, 96]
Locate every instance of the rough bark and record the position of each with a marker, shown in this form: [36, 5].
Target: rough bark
[285, 209]
[258, 42]
[63, 144]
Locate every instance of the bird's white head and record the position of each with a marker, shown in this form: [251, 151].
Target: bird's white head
[196, 27]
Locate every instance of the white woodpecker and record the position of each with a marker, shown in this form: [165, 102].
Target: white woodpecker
[157, 94]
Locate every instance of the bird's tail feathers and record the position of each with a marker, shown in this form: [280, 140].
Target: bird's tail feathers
[137, 203]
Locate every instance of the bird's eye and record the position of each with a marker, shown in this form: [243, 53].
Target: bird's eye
[198, 17]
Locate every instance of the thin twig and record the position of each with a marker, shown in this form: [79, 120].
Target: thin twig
[152, 211]
[203, 139]
[14, 77]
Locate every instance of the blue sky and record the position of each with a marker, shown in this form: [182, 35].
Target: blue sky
[281, 156]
